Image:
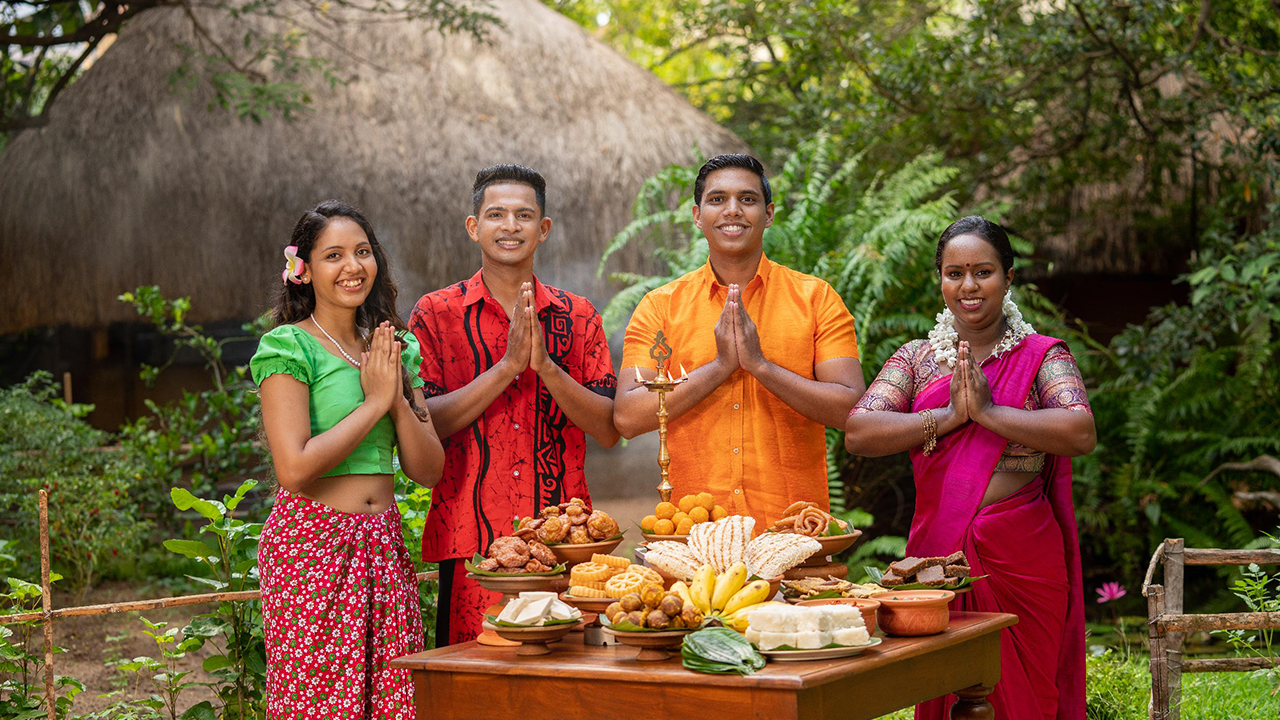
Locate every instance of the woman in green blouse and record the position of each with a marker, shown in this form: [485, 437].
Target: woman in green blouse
[341, 397]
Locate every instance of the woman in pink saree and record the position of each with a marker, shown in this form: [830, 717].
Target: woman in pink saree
[991, 413]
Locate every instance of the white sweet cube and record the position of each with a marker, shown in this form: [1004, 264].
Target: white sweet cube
[773, 617]
[753, 636]
[512, 609]
[770, 640]
[844, 616]
[813, 619]
[534, 612]
[812, 640]
[850, 636]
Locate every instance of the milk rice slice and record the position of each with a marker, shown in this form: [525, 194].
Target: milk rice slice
[850, 636]
[770, 640]
[812, 640]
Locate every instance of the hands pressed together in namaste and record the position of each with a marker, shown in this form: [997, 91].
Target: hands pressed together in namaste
[737, 341]
[970, 393]
[526, 347]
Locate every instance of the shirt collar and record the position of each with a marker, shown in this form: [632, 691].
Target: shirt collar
[707, 276]
[475, 291]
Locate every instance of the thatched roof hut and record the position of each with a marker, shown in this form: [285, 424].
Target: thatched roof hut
[132, 183]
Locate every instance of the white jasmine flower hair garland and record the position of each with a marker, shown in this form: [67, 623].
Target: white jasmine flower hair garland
[946, 341]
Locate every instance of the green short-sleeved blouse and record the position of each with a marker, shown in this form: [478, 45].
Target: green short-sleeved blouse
[335, 391]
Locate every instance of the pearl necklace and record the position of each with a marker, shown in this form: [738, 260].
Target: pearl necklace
[946, 340]
[337, 344]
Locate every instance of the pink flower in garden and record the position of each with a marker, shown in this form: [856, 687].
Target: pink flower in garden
[1110, 592]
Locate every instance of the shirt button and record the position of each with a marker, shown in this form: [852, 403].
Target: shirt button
[735, 450]
[516, 473]
[735, 406]
[737, 491]
[515, 426]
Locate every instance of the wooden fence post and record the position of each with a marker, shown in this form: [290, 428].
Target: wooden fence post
[1174, 563]
[1159, 661]
[47, 602]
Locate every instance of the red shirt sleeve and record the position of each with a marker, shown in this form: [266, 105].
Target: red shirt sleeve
[423, 326]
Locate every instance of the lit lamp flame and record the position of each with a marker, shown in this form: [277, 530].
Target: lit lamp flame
[683, 373]
[639, 377]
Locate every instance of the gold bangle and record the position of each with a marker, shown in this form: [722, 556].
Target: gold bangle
[930, 431]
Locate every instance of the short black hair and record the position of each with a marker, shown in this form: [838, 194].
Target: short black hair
[720, 162]
[509, 173]
[981, 227]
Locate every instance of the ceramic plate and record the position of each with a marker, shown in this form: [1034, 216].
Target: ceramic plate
[819, 654]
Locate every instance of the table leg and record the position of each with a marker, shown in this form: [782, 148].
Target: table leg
[973, 704]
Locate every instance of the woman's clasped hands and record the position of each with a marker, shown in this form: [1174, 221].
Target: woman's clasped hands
[970, 392]
[380, 369]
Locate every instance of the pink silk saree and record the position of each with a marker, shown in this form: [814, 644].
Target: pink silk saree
[1026, 544]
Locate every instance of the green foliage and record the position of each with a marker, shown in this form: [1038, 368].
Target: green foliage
[93, 518]
[1030, 98]
[21, 659]
[228, 551]
[1161, 391]
[1260, 592]
[208, 436]
[163, 676]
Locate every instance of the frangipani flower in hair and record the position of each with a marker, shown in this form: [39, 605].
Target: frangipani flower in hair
[294, 266]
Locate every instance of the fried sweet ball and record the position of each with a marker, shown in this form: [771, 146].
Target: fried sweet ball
[671, 605]
[510, 552]
[657, 620]
[601, 526]
[631, 602]
[578, 534]
[554, 529]
[651, 594]
[542, 554]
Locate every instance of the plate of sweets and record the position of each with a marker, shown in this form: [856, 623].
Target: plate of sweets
[601, 581]
[572, 530]
[794, 633]
[534, 619]
[512, 565]
[949, 572]
[674, 521]
[808, 519]
[652, 619]
[726, 541]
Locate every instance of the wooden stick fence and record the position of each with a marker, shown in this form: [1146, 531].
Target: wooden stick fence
[48, 614]
[1167, 626]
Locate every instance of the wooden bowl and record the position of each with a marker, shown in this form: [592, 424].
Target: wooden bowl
[592, 605]
[571, 554]
[831, 545]
[513, 585]
[832, 569]
[653, 646]
[866, 606]
[533, 640]
[910, 613]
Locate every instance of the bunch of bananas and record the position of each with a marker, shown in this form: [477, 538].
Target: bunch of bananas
[727, 597]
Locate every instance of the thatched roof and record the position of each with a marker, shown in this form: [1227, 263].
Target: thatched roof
[132, 183]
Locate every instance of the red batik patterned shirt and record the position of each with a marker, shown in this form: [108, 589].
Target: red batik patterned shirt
[522, 453]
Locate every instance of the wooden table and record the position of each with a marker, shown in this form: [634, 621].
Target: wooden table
[580, 682]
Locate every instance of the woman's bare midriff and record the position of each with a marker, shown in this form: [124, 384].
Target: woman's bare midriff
[1004, 484]
[362, 494]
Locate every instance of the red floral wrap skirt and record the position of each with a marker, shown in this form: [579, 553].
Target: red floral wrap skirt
[339, 602]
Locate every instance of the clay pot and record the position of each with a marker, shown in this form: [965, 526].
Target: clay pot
[910, 613]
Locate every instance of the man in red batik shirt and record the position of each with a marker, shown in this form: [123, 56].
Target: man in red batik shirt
[516, 371]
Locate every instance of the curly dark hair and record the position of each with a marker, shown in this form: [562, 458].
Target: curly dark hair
[297, 302]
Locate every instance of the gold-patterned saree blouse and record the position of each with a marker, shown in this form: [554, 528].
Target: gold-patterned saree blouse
[1058, 384]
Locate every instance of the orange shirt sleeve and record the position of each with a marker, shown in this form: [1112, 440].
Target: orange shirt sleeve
[834, 334]
[646, 321]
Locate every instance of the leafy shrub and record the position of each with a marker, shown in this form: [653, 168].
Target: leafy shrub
[93, 518]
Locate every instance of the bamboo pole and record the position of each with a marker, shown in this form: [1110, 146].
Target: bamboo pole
[1159, 662]
[177, 601]
[66, 387]
[1173, 583]
[1219, 621]
[1214, 556]
[46, 600]
[1236, 664]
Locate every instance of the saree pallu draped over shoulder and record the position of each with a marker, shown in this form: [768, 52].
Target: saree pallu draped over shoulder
[1026, 544]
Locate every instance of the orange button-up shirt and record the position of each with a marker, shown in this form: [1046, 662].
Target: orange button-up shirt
[741, 443]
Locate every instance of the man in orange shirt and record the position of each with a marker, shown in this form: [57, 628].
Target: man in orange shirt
[772, 354]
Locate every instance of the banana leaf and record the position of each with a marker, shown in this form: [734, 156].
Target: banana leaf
[473, 565]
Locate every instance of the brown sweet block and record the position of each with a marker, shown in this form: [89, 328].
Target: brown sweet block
[907, 567]
[956, 558]
[933, 576]
[957, 571]
[891, 579]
